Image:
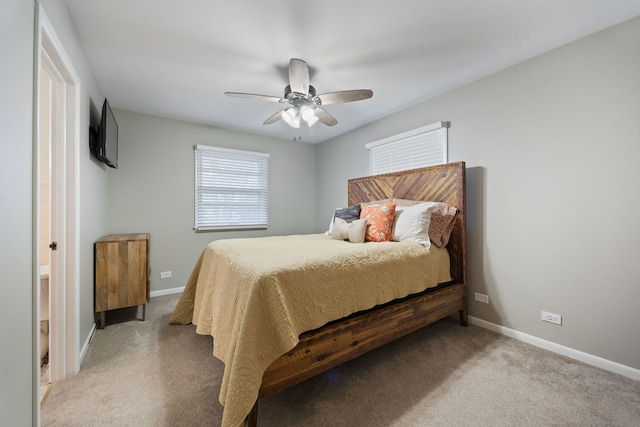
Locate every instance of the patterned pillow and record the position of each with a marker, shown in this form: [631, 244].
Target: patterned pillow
[407, 202]
[379, 221]
[353, 231]
[443, 219]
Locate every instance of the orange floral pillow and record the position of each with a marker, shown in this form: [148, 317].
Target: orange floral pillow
[379, 221]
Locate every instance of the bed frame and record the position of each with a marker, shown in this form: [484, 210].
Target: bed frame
[345, 339]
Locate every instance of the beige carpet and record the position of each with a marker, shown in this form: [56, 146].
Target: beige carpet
[153, 374]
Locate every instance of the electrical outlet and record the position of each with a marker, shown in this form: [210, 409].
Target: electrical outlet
[482, 298]
[165, 274]
[550, 317]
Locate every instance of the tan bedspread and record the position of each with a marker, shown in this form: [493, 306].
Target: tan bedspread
[256, 296]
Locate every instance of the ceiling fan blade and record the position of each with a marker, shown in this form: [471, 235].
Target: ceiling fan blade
[299, 76]
[325, 117]
[277, 116]
[256, 96]
[345, 96]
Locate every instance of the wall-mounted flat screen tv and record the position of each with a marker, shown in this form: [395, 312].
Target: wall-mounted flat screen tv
[103, 139]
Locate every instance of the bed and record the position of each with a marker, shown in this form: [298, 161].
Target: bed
[275, 324]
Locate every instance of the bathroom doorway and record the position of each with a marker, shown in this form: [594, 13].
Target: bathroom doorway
[45, 247]
[56, 197]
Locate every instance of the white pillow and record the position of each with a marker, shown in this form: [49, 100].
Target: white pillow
[411, 223]
[330, 225]
[353, 231]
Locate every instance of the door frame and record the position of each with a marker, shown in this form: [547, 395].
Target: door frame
[64, 305]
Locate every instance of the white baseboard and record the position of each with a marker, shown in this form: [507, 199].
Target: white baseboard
[571, 353]
[166, 292]
[85, 348]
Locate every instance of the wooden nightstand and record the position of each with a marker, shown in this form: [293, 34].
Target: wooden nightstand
[122, 273]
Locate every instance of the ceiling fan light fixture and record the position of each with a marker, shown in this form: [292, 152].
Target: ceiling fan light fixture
[292, 117]
[305, 104]
[312, 121]
[289, 115]
[307, 113]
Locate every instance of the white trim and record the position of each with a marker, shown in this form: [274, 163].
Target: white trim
[230, 163]
[571, 353]
[163, 292]
[230, 150]
[407, 134]
[85, 347]
[231, 228]
[65, 307]
[35, 223]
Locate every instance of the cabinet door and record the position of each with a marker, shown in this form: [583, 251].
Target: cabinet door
[121, 274]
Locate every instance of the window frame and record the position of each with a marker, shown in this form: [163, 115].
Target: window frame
[403, 138]
[262, 217]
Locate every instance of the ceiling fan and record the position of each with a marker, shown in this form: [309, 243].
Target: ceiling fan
[305, 104]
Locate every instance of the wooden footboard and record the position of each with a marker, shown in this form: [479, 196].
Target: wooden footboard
[338, 342]
[341, 341]
[346, 339]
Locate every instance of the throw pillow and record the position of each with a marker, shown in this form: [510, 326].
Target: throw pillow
[348, 214]
[353, 231]
[443, 218]
[411, 223]
[379, 221]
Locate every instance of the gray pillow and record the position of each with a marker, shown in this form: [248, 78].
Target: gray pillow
[348, 214]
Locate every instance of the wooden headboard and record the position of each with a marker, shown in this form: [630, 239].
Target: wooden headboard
[441, 183]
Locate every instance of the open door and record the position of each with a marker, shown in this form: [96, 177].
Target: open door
[57, 97]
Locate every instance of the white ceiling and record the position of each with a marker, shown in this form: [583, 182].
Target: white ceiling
[177, 58]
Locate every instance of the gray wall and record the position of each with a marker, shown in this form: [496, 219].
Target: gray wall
[19, 375]
[153, 188]
[92, 209]
[551, 146]
[16, 77]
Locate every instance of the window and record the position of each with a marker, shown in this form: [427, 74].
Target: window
[425, 146]
[231, 189]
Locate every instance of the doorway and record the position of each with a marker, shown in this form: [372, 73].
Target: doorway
[46, 144]
[56, 169]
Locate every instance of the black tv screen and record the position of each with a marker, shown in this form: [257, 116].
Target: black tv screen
[104, 140]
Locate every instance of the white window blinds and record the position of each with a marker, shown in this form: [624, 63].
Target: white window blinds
[231, 189]
[425, 146]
